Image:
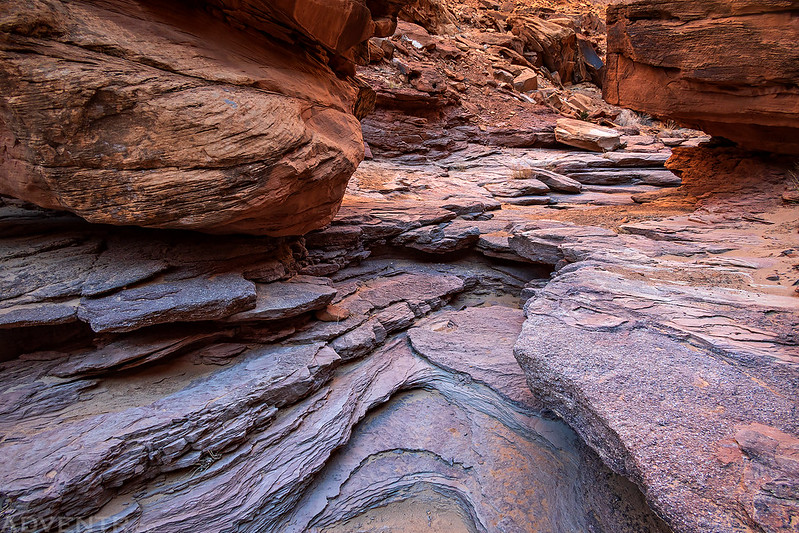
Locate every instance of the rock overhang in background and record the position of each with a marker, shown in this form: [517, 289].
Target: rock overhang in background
[729, 68]
[222, 117]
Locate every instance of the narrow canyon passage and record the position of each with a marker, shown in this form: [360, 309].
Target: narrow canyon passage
[384, 395]
[466, 451]
[399, 266]
[450, 424]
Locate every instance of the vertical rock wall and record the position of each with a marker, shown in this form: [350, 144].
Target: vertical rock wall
[730, 68]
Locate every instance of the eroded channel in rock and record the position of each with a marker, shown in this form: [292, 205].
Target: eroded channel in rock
[383, 390]
[466, 450]
[451, 428]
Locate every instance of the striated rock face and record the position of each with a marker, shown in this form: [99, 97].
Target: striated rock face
[729, 68]
[159, 381]
[665, 349]
[281, 416]
[216, 116]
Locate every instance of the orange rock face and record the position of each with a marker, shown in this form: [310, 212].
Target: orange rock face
[728, 67]
[219, 116]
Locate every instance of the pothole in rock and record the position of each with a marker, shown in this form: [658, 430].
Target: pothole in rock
[426, 511]
[465, 450]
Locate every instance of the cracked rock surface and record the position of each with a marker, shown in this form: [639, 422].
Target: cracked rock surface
[303, 403]
[671, 350]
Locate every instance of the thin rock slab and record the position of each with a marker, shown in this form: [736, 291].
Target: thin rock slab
[124, 263]
[545, 244]
[39, 314]
[530, 200]
[279, 300]
[557, 182]
[379, 219]
[631, 176]
[496, 245]
[517, 187]
[181, 300]
[130, 351]
[441, 239]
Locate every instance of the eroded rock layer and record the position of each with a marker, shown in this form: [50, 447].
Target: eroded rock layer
[226, 117]
[730, 68]
[275, 400]
[668, 352]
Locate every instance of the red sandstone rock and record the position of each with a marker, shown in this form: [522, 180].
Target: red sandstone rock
[586, 135]
[730, 68]
[432, 14]
[224, 117]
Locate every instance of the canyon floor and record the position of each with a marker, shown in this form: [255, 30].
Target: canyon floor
[496, 333]
[364, 379]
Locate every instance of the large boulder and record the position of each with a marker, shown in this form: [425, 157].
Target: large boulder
[587, 136]
[221, 116]
[558, 47]
[728, 67]
[433, 15]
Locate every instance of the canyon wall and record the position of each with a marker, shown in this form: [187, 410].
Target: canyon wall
[729, 68]
[219, 116]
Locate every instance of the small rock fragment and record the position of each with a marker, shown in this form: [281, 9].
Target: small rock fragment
[332, 313]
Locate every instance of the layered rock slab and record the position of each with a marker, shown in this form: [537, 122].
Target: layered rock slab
[668, 351]
[728, 68]
[664, 393]
[221, 117]
[183, 443]
[464, 381]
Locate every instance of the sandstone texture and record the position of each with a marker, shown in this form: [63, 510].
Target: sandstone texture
[672, 356]
[206, 373]
[407, 407]
[311, 387]
[588, 136]
[224, 117]
[730, 68]
[496, 73]
[496, 332]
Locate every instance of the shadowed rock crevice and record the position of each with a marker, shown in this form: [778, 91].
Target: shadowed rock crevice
[485, 335]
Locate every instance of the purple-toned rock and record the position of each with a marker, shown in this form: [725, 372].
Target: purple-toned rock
[183, 300]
